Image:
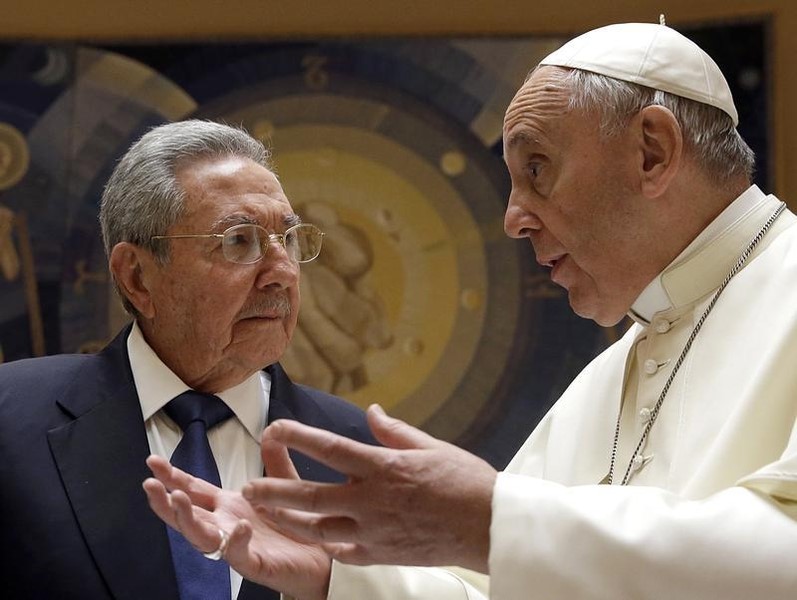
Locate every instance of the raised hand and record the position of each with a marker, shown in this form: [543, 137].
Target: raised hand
[199, 510]
[416, 501]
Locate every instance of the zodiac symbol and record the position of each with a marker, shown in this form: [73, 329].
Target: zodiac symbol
[315, 76]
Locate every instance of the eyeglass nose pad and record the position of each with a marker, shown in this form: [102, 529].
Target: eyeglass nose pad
[266, 239]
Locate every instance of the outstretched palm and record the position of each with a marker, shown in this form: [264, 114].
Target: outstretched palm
[256, 549]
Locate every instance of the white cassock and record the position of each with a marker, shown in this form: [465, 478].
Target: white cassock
[711, 509]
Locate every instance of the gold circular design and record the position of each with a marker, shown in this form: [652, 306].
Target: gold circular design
[453, 163]
[14, 156]
[413, 231]
[471, 299]
[413, 346]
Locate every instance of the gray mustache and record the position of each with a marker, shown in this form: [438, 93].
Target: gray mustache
[274, 303]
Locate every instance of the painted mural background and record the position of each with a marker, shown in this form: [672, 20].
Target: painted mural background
[419, 301]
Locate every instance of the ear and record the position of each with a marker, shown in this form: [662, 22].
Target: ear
[129, 264]
[662, 149]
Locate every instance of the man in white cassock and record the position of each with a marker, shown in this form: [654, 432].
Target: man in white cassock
[668, 469]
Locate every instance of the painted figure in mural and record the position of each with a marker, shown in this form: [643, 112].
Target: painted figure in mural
[205, 250]
[668, 468]
[342, 315]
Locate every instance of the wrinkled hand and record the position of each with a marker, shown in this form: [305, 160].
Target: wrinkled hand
[416, 501]
[256, 550]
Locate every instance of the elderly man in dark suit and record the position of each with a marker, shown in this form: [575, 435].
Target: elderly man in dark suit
[204, 249]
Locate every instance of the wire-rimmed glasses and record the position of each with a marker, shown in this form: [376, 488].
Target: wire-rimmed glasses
[247, 243]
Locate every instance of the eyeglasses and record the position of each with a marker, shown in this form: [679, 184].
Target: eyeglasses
[248, 243]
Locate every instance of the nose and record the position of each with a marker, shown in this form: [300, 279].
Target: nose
[276, 267]
[519, 220]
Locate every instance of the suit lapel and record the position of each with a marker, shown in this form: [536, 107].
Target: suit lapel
[291, 401]
[253, 591]
[100, 455]
[288, 401]
[277, 409]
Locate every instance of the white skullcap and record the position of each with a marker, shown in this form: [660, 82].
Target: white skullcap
[655, 56]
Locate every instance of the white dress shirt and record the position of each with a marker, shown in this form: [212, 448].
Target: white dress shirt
[235, 443]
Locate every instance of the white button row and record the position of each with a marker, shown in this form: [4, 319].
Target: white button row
[650, 366]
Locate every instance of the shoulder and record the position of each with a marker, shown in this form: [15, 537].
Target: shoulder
[338, 415]
[332, 403]
[60, 373]
[34, 386]
[41, 373]
[30, 390]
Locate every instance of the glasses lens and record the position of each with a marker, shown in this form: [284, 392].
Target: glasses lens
[241, 244]
[303, 242]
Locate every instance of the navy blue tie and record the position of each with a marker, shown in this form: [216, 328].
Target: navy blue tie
[198, 578]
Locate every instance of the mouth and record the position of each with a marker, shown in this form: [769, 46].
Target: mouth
[262, 318]
[267, 308]
[555, 262]
[551, 260]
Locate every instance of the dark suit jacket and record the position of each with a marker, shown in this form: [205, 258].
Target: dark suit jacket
[74, 519]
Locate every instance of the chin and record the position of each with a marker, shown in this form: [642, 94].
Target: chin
[257, 361]
[601, 315]
[608, 321]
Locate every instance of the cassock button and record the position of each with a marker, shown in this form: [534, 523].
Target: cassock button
[661, 325]
[650, 366]
[644, 415]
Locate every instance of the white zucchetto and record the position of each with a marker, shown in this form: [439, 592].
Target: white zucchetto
[655, 56]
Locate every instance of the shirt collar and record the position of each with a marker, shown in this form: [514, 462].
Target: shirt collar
[157, 384]
[654, 298]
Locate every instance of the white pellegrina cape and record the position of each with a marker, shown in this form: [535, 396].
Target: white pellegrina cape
[711, 506]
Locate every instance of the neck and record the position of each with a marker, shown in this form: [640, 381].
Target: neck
[687, 210]
[196, 368]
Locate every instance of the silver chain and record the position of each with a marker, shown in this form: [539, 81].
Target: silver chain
[655, 410]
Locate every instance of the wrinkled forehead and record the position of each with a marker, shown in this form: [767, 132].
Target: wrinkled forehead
[544, 95]
[226, 186]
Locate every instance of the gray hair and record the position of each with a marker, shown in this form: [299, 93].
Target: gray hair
[708, 132]
[143, 197]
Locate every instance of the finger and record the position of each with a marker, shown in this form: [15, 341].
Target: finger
[267, 493]
[394, 433]
[200, 491]
[276, 459]
[238, 555]
[340, 453]
[158, 499]
[314, 528]
[353, 554]
[202, 533]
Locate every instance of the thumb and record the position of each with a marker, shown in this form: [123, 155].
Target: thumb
[238, 552]
[395, 433]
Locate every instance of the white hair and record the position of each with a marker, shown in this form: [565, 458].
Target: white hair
[143, 198]
[708, 132]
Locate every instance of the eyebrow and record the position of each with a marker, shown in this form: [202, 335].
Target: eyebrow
[232, 220]
[521, 137]
[288, 220]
